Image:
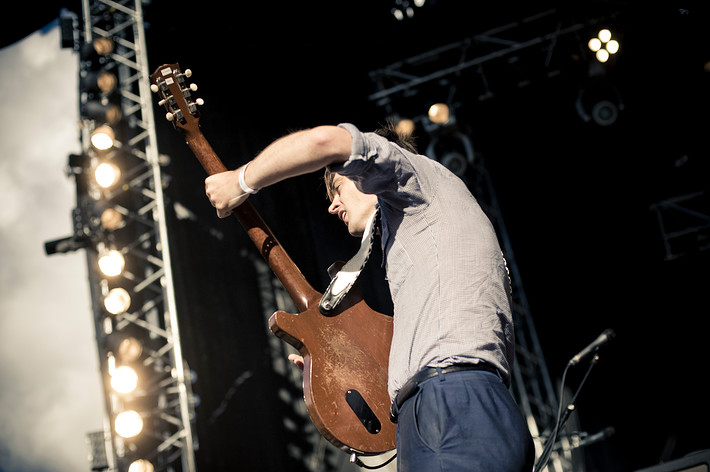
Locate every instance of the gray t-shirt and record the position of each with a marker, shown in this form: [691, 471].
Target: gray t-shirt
[446, 273]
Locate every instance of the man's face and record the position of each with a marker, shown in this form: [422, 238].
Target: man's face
[351, 205]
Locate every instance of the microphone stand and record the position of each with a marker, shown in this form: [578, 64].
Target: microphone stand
[563, 416]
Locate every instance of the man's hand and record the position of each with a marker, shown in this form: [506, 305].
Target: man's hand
[224, 192]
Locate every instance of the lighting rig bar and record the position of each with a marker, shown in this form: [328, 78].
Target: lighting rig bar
[684, 223]
[404, 77]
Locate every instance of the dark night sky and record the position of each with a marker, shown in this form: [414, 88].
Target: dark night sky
[576, 197]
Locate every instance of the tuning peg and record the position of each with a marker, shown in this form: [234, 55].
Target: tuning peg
[188, 73]
[154, 88]
[200, 102]
[193, 87]
[169, 116]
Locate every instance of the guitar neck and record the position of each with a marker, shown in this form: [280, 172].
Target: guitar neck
[303, 295]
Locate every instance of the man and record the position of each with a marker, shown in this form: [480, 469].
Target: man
[453, 343]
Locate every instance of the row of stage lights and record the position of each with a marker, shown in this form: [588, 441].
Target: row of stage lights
[446, 143]
[126, 349]
[119, 221]
[440, 117]
[102, 212]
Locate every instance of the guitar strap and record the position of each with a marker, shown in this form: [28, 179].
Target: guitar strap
[343, 281]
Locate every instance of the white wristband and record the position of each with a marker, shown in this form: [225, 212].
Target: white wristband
[243, 184]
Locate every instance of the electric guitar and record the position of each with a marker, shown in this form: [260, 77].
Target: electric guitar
[346, 352]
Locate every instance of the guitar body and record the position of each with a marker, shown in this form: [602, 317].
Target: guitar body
[344, 384]
[345, 352]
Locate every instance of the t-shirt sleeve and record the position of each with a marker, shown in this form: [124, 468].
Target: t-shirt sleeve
[381, 167]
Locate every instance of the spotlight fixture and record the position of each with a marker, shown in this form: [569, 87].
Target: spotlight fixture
[99, 47]
[404, 9]
[603, 45]
[102, 138]
[101, 81]
[128, 424]
[124, 379]
[107, 174]
[129, 349]
[141, 465]
[66, 245]
[103, 112]
[454, 150]
[405, 127]
[111, 263]
[117, 301]
[439, 113]
[600, 103]
[111, 219]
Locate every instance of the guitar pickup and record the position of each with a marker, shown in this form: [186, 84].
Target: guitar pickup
[363, 411]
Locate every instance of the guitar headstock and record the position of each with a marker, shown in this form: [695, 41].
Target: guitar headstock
[170, 83]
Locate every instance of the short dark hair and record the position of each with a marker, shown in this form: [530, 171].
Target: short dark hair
[389, 131]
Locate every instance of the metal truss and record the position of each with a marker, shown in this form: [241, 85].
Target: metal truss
[502, 45]
[684, 223]
[164, 398]
[531, 386]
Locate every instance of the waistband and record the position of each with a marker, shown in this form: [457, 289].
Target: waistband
[410, 388]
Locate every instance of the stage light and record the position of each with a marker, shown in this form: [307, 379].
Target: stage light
[128, 424]
[101, 81]
[99, 47]
[117, 301]
[612, 46]
[141, 465]
[454, 150]
[65, 245]
[129, 349]
[599, 102]
[111, 263]
[102, 138]
[107, 174]
[103, 46]
[594, 44]
[603, 46]
[111, 219]
[405, 127]
[103, 112]
[403, 8]
[124, 379]
[605, 113]
[439, 113]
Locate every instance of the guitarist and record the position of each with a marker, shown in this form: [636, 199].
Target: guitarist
[453, 344]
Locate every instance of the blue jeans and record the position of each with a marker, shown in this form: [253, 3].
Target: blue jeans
[463, 421]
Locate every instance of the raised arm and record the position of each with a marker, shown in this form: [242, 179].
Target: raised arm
[295, 154]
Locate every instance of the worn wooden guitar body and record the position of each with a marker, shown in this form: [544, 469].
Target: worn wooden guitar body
[345, 353]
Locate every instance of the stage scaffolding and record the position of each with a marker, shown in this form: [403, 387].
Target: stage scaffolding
[109, 41]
